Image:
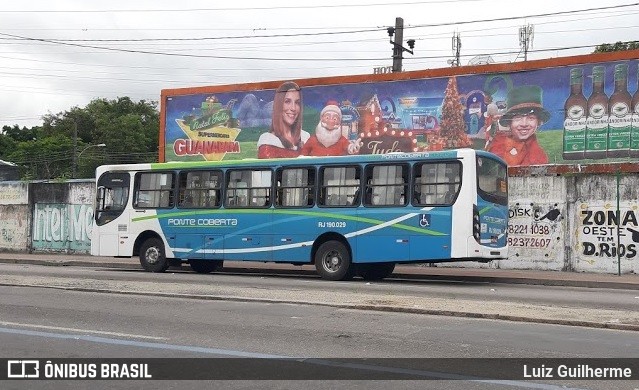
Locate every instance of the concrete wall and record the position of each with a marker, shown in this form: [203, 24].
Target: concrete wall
[62, 216]
[46, 217]
[564, 222]
[14, 216]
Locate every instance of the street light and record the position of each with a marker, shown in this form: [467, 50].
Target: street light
[76, 158]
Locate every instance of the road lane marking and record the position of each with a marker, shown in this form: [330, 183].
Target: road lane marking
[317, 361]
[59, 328]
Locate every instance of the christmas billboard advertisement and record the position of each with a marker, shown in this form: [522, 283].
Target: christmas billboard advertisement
[586, 112]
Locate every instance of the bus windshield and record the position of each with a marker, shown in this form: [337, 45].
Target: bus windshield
[492, 180]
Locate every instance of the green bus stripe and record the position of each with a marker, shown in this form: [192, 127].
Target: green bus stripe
[485, 209]
[292, 212]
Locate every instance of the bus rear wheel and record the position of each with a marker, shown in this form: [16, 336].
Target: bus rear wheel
[333, 261]
[205, 266]
[377, 271]
[152, 256]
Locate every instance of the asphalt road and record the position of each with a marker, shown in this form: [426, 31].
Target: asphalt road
[84, 312]
[591, 307]
[54, 323]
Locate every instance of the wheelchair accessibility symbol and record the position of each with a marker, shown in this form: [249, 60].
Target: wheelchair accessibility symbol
[424, 220]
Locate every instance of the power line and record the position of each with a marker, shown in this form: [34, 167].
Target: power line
[244, 9]
[56, 42]
[525, 17]
[376, 29]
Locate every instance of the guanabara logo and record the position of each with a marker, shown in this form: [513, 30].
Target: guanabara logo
[211, 131]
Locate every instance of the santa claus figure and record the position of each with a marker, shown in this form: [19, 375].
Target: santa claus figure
[328, 139]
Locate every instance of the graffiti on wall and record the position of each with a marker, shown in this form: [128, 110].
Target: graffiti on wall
[605, 233]
[13, 232]
[13, 194]
[535, 229]
[62, 227]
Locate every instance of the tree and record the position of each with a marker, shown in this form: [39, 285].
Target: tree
[453, 127]
[130, 131]
[43, 158]
[618, 46]
[19, 134]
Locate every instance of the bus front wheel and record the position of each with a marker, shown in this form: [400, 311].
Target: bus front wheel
[152, 256]
[333, 261]
[205, 266]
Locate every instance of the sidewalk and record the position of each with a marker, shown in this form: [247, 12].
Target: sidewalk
[549, 278]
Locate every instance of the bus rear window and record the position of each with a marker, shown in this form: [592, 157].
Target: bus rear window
[492, 180]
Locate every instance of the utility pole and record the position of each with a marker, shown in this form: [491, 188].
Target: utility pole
[74, 161]
[398, 49]
[525, 39]
[397, 45]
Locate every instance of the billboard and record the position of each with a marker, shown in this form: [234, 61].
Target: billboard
[582, 109]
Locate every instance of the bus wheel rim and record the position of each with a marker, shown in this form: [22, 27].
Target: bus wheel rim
[152, 255]
[332, 261]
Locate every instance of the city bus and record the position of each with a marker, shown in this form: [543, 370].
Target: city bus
[347, 215]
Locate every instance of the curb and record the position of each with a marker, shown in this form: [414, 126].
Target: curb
[397, 275]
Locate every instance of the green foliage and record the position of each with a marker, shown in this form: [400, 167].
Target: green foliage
[44, 158]
[618, 46]
[130, 131]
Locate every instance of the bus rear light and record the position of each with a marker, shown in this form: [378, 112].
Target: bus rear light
[476, 224]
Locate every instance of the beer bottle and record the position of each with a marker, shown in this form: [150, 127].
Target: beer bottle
[620, 115]
[575, 118]
[597, 120]
[634, 131]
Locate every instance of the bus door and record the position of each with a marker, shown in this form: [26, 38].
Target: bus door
[294, 223]
[198, 232]
[111, 214]
[492, 202]
[436, 189]
[385, 200]
[247, 224]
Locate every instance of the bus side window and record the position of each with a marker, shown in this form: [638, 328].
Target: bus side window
[436, 183]
[238, 194]
[295, 187]
[199, 189]
[386, 185]
[339, 185]
[154, 189]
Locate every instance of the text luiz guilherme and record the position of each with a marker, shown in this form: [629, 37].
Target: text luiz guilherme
[580, 371]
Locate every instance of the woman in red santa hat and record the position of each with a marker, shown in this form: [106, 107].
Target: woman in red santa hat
[286, 137]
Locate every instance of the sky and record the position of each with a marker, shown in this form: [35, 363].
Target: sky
[58, 55]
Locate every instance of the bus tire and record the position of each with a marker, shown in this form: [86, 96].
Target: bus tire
[205, 266]
[152, 256]
[377, 271]
[333, 261]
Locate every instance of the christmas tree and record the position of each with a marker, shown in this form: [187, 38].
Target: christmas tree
[453, 128]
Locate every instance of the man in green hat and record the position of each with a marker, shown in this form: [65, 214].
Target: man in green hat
[524, 114]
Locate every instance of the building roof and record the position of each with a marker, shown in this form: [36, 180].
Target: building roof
[2, 162]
